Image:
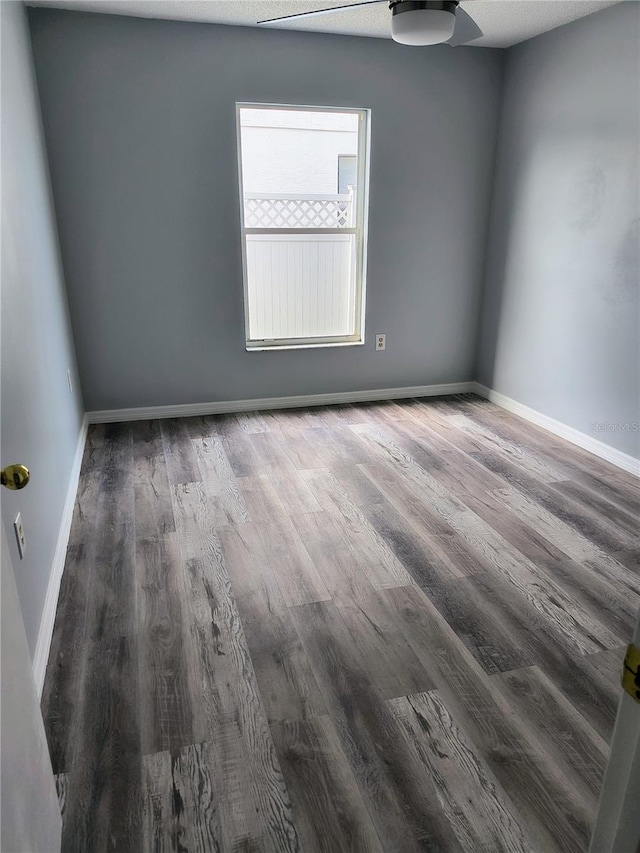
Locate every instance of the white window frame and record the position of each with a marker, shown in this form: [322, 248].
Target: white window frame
[360, 231]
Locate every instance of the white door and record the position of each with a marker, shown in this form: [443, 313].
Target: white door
[617, 827]
[30, 814]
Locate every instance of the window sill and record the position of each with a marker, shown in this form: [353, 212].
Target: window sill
[317, 345]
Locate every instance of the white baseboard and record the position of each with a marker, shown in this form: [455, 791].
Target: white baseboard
[587, 442]
[193, 409]
[47, 621]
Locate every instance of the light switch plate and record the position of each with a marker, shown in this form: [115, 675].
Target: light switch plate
[20, 537]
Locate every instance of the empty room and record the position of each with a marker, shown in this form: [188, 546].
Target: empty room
[320, 410]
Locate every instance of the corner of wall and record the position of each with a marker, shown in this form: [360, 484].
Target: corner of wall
[490, 216]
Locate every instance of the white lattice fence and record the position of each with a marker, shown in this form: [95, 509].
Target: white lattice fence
[294, 211]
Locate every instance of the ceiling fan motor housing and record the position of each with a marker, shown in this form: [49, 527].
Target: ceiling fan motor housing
[422, 22]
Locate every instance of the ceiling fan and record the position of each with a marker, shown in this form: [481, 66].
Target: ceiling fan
[416, 22]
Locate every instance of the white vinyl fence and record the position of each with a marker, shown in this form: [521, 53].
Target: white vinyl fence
[300, 285]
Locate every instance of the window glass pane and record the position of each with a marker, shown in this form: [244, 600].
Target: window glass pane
[299, 171]
[290, 167]
[347, 173]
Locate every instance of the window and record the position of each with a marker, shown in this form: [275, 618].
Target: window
[347, 173]
[304, 244]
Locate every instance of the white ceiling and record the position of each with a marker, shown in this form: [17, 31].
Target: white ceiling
[503, 22]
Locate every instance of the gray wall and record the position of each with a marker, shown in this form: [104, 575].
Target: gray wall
[41, 419]
[561, 317]
[140, 124]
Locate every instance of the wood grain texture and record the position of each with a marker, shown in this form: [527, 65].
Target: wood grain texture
[609, 604]
[252, 422]
[610, 665]
[104, 790]
[348, 449]
[558, 727]
[260, 497]
[410, 504]
[396, 790]
[182, 464]
[156, 816]
[221, 425]
[84, 512]
[62, 785]
[242, 456]
[194, 796]
[494, 648]
[295, 572]
[484, 438]
[165, 693]
[588, 499]
[309, 448]
[152, 491]
[623, 496]
[577, 547]
[555, 815]
[328, 807]
[383, 648]
[583, 464]
[630, 559]
[201, 426]
[392, 627]
[576, 626]
[226, 501]
[61, 697]
[380, 565]
[287, 684]
[480, 813]
[334, 557]
[95, 441]
[186, 805]
[230, 712]
[269, 453]
[572, 673]
[595, 527]
[293, 491]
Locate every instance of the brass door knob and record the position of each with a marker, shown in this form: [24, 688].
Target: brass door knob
[15, 476]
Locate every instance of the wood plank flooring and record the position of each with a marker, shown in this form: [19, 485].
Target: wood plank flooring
[388, 627]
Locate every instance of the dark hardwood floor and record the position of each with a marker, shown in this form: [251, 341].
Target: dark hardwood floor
[387, 627]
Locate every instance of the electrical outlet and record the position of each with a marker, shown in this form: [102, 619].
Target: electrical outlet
[381, 342]
[22, 542]
[69, 381]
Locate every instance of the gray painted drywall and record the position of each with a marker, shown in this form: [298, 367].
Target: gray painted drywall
[41, 419]
[561, 320]
[140, 125]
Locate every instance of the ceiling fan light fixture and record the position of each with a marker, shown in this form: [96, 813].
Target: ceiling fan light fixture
[422, 22]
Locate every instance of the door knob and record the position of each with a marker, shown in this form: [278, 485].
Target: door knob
[15, 476]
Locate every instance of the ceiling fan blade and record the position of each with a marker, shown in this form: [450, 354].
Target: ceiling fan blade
[321, 11]
[466, 29]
